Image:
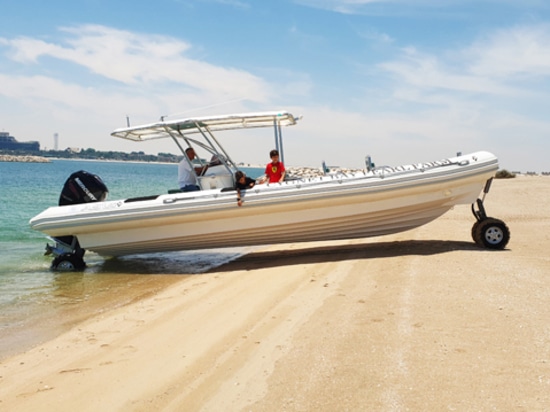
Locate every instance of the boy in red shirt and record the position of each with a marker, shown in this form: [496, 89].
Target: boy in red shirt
[274, 171]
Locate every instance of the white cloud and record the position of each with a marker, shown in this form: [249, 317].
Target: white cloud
[147, 60]
[428, 72]
[519, 51]
[125, 73]
[499, 64]
[232, 3]
[339, 6]
[375, 35]
[364, 6]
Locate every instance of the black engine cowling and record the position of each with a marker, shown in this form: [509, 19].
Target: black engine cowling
[83, 187]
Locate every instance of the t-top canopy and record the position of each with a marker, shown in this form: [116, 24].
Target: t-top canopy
[166, 129]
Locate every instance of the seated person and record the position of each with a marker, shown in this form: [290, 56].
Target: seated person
[187, 179]
[275, 171]
[243, 182]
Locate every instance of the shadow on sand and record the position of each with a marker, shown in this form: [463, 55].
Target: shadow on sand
[221, 260]
[308, 255]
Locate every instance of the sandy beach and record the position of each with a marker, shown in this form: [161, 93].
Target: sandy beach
[422, 320]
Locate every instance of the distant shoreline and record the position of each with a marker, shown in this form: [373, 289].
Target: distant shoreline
[24, 159]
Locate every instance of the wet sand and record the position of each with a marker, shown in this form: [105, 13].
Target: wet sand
[421, 320]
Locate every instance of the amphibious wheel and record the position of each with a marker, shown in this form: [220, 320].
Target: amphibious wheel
[68, 262]
[491, 233]
[474, 234]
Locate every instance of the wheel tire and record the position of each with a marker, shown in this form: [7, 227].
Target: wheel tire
[475, 237]
[68, 263]
[491, 233]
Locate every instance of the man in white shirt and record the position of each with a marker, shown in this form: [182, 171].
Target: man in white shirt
[187, 178]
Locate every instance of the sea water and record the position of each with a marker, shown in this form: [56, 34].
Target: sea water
[37, 303]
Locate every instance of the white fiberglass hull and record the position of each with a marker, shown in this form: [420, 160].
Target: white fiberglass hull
[359, 205]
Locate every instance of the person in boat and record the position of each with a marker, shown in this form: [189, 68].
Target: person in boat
[187, 179]
[242, 182]
[275, 170]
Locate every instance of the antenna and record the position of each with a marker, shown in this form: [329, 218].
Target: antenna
[127, 121]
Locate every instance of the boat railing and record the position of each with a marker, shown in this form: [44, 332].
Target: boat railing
[379, 172]
[225, 189]
[224, 181]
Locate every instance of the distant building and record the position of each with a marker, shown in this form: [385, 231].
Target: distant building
[8, 142]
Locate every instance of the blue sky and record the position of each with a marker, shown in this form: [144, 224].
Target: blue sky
[402, 80]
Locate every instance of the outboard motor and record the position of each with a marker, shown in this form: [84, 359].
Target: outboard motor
[83, 187]
[80, 187]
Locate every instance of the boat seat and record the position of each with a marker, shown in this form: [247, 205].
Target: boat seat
[171, 191]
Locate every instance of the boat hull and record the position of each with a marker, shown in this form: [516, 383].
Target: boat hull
[333, 207]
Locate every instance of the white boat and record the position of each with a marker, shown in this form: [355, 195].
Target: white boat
[371, 202]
